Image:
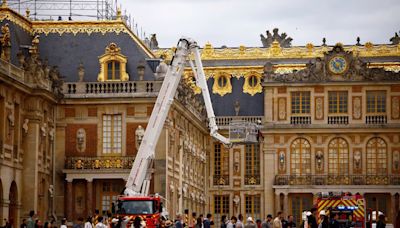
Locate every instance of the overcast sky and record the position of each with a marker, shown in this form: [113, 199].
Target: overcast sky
[240, 22]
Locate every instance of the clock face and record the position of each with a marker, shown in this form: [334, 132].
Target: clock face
[338, 65]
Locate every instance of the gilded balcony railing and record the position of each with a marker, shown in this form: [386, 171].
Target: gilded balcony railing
[99, 162]
[252, 179]
[221, 179]
[337, 180]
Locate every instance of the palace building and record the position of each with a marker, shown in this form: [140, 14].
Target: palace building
[75, 98]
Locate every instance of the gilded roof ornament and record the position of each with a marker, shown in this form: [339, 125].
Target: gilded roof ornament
[4, 4]
[113, 49]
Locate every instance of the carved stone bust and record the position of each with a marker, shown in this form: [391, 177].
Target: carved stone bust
[81, 140]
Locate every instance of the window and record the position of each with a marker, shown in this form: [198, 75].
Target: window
[112, 134]
[376, 102]
[253, 206]
[300, 102]
[113, 70]
[113, 65]
[221, 165]
[221, 207]
[252, 175]
[376, 157]
[222, 81]
[338, 157]
[253, 80]
[337, 101]
[300, 157]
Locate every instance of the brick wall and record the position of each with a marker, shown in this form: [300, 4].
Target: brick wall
[91, 139]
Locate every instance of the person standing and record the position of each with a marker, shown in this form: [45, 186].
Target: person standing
[208, 221]
[88, 223]
[223, 221]
[23, 224]
[278, 220]
[312, 219]
[232, 222]
[381, 222]
[268, 222]
[239, 223]
[192, 221]
[178, 222]
[334, 221]
[290, 222]
[63, 223]
[31, 221]
[250, 223]
[324, 220]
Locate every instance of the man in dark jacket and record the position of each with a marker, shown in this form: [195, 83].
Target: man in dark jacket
[208, 221]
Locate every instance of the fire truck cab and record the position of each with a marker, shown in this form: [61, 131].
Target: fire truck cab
[350, 208]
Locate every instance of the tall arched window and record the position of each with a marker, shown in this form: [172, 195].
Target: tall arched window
[338, 156]
[376, 156]
[300, 157]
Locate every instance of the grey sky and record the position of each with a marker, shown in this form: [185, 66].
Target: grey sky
[240, 22]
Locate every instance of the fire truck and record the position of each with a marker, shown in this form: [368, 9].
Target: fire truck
[351, 208]
[136, 200]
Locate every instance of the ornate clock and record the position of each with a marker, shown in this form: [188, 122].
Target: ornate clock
[337, 65]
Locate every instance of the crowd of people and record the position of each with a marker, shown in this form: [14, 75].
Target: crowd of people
[310, 219]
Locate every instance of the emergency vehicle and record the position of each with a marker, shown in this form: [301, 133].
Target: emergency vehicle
[351, 208]
[137, 201]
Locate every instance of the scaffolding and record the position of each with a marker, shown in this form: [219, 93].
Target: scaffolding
[54, 9]
[50, 10]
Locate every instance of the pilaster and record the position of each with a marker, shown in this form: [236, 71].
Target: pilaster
[29, 196]
[89, 196]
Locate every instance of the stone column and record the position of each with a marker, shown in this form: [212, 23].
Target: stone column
[285, 204]
[69, 199]
[89, 196]
[29, 195]
[393, 207]
[5, 204]
[277, 203]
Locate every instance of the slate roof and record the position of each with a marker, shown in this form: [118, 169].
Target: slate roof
[67, 51]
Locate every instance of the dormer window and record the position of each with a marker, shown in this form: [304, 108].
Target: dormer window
[113, 65]
[222, 84]
[113, 70]
[252, 83]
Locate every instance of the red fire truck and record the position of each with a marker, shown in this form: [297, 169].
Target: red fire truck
[351, 208]
[137, 201]
[149, 208]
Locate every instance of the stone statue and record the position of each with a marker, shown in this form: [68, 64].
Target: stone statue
[51, 134]
[141, 70]
[161, 70]
[5, 43]
[282, 39]
[396, 39]
[81, 140]
[281, 161]
[153, 42]
[139, 134]
[34, 49]
[237, 107]
[319, 159]
[25, 126]
[81, 72]
[357, 160]
[43, 129]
